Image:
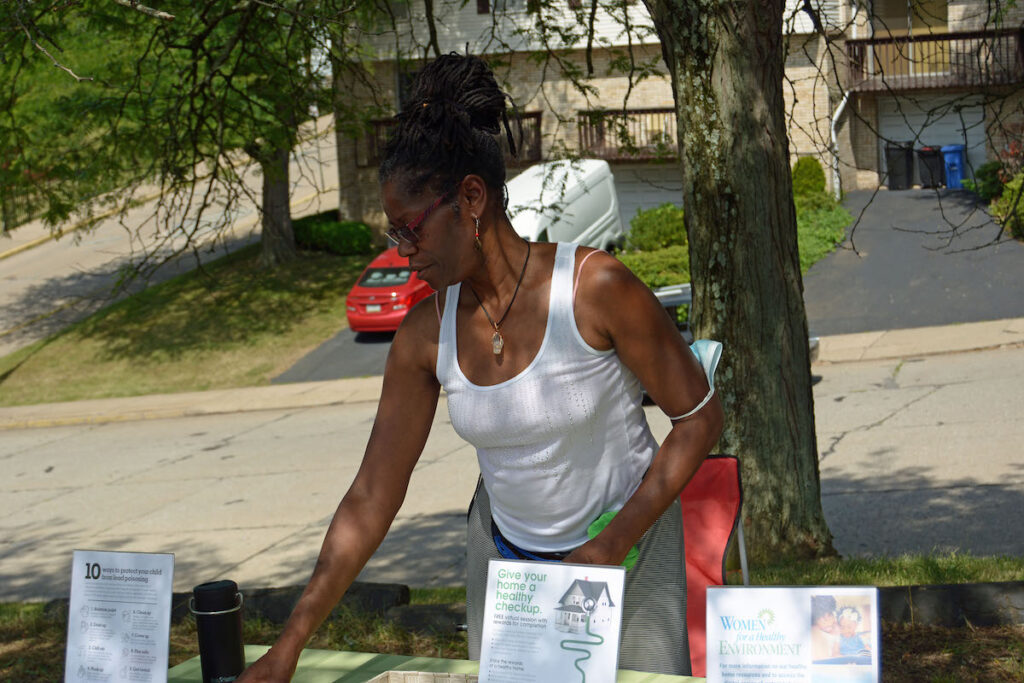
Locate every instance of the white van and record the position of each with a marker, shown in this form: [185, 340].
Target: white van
[567, 201]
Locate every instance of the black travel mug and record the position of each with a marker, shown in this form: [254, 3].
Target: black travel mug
[217, 606]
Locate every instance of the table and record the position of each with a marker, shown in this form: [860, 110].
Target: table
[332, 666]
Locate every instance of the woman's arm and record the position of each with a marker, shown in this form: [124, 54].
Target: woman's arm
[404, 416]
[616, 310]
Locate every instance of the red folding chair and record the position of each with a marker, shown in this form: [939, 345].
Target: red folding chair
[712, 504]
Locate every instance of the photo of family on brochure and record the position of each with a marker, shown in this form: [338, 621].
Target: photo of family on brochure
[842, 630]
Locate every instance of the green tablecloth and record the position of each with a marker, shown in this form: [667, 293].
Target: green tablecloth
[330, 666]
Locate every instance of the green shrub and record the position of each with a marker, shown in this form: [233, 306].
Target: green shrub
[668, 266]
[323, 233]
[814, 201]
[987, 182]
[657, 228]
[808, 176]
[1009, 208]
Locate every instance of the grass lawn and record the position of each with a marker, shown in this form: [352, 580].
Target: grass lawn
[818, 233]
[32, 644]
[233, 325]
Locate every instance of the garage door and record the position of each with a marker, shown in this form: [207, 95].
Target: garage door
[934, 121]
[645, 187]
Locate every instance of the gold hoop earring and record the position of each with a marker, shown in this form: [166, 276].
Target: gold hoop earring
[476, 238]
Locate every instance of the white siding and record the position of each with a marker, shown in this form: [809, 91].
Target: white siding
[511, 30]
[646, 186]
[796, 20]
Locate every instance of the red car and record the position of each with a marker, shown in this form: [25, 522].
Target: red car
[386, 291]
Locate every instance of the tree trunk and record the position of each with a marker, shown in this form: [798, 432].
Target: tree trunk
[277, 238]
[346, 134]
[350, 193]
[726, 63]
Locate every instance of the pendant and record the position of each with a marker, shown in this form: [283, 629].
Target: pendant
[497, 343]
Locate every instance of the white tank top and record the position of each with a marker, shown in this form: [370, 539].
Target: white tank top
[560, 443]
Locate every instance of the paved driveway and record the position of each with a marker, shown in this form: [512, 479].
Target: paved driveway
[915, 258]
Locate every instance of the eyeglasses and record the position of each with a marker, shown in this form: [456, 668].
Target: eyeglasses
[408, 231]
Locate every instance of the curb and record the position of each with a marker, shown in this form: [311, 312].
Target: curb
[147, 198]
[839, 349]
[13, 251]
[986, 335]
[945, 605]
[193, 404]
[954, 605]
[275, 604]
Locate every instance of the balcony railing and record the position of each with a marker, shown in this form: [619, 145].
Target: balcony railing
[371, 148]
[951, 60]
[634, 135]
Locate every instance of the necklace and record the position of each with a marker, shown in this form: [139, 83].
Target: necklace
[497, 342]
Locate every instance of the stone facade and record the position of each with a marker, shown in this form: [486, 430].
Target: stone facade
[811, 95]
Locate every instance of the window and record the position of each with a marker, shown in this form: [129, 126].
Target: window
[385, 277]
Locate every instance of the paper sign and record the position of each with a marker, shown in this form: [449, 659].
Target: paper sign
[119, 617]
[819, 634]
[551, 621]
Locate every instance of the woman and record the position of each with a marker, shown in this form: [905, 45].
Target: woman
[542, 350]
[824, 628]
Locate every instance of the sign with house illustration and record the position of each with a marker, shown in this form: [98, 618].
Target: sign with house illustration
[586, 603]
[548, 621]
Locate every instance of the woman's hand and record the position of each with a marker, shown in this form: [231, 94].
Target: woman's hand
[596, 551]
[270, 668]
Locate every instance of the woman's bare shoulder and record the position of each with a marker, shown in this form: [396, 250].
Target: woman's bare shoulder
[416, 341]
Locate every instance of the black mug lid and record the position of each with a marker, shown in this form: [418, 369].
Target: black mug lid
[215, 596]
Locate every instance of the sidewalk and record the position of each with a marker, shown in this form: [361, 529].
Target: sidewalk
[866, 346]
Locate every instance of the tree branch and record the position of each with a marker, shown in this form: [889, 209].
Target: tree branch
[53, 59]
[148, 11]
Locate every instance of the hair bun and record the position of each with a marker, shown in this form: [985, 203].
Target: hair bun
[448, 127]
[460, 86]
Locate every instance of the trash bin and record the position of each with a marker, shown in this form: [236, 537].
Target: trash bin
[899, 162]
[930, 166]
[954, 159]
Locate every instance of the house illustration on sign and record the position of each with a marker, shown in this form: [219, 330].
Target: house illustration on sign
[583, 599]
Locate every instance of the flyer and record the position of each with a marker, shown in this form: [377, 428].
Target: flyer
[551, 621]
[119, 617]
[806, 634]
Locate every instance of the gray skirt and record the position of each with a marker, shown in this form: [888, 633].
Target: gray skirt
[654, 606]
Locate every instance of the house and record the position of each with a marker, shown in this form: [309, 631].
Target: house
[920, 73]
[923, 72]
[583, 601]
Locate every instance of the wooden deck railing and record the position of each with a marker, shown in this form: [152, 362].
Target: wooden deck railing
[371, 148]
[951, 60]
[634, 135]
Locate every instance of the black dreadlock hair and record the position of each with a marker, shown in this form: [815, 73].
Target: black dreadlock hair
[822, 605]
[448, 128]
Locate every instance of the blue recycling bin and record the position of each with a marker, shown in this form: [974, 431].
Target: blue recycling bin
[953, 155]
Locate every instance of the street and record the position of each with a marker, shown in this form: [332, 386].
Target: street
[917, 454]
[47, 287]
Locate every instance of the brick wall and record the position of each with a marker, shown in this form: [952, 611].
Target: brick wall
[862, 163]
[810, 95]
[972, 15]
